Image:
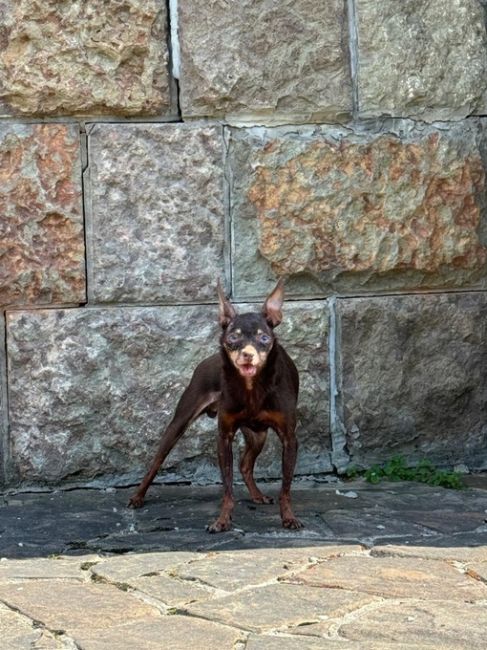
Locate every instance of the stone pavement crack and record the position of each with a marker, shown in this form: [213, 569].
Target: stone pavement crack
[37, 624]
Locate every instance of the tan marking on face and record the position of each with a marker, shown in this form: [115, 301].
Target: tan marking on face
[250, 350]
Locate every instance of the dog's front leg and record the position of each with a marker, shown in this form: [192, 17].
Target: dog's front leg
[225, 459]
[289, 455]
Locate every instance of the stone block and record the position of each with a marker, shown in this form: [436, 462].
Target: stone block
[90, 390]
[425, 60]
[414, 378]
[3, 403]
[376, 208]
[156, 222]
[83, 56]
[42, 250]
[265, 61]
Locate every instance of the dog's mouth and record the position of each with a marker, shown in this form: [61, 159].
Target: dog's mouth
[247, 369]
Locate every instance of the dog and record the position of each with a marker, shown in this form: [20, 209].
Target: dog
[251, 384]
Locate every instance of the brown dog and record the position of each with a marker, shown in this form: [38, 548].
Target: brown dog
[251, 384]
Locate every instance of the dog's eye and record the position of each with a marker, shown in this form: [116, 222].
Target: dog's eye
[233, 338]
[265, 339]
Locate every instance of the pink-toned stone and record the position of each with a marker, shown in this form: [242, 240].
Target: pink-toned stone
[401, 208]
[41, 221]
[83, 56]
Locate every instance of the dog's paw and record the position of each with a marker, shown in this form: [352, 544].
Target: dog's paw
[135, 502]
[262, 499]
[292, 523]
[219, 526]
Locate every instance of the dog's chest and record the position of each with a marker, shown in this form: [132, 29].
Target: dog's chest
[258, 414]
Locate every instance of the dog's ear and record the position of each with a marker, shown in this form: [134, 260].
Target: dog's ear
[226, 311]
[273, 304]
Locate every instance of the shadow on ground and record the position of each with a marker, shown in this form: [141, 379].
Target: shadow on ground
[174, 518]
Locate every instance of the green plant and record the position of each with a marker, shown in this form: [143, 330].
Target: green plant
[396, 469]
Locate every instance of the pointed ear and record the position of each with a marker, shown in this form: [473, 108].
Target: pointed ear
[226, 311]
[273, 304]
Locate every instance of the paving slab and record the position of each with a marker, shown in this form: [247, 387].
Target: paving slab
[394, 578]
[427, 625]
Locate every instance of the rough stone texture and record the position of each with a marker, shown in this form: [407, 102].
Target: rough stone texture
[19, 633]
[263, 60]
[41, 220]
[3, 403]
[92, 389]
[97, 607]
[424, 592]
[103, 383]
[419, 59]
[393, 578]
[128, 567]
[79, 57]
[450, 553]
[175, 632]
[449, 625]
[41, 568]
[156, 227]
[271, 642]
[414, 377]
[400, 206]
[279, 606]
[232, 572]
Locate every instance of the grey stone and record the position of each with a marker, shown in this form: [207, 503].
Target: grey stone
[414, 377]
[78, 522]
[156, 213]
[90, 390]
[380, 207]
[265, 61]
[84, 57]
[3, 403]
[417, 59]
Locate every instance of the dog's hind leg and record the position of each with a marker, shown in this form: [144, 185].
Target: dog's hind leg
[254, 442]
[188, 410]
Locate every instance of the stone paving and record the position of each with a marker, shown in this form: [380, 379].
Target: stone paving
[398, 565]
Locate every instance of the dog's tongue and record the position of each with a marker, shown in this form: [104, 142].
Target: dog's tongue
[247, 370]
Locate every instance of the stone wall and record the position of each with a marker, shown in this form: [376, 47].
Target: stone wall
[148, 148]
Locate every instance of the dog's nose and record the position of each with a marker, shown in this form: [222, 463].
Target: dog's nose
[248, 353]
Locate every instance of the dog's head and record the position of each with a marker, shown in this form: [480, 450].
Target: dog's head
[247, 339]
